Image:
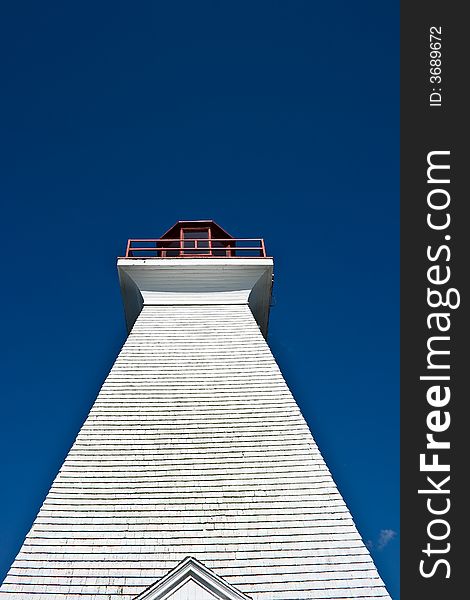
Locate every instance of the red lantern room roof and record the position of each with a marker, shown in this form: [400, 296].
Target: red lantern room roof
[196, 239]
[216, 230]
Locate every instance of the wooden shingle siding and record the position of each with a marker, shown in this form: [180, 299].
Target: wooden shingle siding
[194, 447]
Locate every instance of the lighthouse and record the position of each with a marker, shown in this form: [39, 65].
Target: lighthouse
[194, 476]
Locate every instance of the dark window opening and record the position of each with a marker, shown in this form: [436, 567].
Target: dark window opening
[196, 241]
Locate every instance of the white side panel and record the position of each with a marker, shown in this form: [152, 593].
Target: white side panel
[191, 591]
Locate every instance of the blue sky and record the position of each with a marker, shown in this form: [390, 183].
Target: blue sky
[276, 119]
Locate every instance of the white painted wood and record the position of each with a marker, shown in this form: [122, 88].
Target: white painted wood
[194, 447]
[191, 591]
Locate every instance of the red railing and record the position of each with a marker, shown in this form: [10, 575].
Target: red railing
[195, 248]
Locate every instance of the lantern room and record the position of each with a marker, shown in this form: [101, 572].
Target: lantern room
[195, 239]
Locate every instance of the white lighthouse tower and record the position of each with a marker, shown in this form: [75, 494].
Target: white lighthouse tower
[195, 476]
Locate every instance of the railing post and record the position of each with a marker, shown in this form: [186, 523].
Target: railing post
[263, 249]
[128, 248]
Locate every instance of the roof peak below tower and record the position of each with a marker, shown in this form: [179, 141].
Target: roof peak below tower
[191, 578]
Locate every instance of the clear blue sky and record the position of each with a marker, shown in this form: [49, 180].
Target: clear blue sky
[276, 119]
